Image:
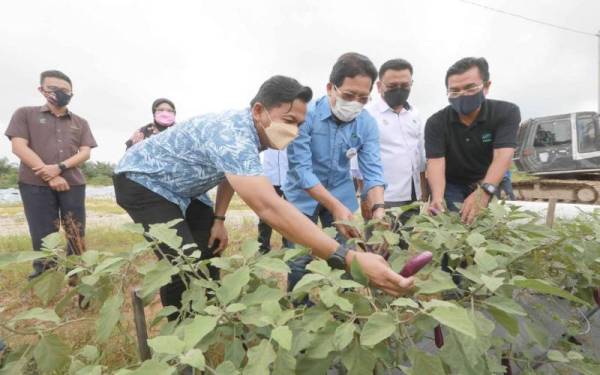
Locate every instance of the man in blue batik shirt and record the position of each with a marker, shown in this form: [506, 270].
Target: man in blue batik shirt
[158, 180]
[335, 130]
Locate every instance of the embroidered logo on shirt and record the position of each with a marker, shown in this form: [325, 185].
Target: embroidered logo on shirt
[43, 120]
[486, 137]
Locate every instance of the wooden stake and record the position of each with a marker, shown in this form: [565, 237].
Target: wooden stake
[139, 317]
[551, 212]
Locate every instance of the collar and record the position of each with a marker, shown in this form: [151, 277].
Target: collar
[323, 108]
[45, 108]
[247, 119]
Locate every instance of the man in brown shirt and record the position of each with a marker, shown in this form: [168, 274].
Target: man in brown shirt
[52, 143]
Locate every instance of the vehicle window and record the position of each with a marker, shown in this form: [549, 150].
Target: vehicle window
[555, 133]
[588, 135]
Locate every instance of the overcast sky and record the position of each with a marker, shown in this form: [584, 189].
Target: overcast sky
[213, 55]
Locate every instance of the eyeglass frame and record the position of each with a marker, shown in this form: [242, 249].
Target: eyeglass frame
[357, 98]
[469, 91]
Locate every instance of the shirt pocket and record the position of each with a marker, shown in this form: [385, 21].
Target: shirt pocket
[74, 137]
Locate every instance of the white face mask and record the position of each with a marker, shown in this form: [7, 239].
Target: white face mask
[346, 110]
[280, 134]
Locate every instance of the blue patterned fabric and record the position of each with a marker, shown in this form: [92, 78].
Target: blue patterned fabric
[321, 154]
[184, 162]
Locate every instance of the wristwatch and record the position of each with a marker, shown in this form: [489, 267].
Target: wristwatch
[62, 167]
[376, 206]
[337, 260]
[489, 188]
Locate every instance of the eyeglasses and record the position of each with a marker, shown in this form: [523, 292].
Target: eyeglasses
[351, 97]
[52, 89]
[467, 91]
[394, 86]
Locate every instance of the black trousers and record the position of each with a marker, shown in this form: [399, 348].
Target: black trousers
[46, 209]
[265, 231]
[146, 207]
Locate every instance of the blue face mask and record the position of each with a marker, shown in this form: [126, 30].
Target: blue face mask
[466, 104]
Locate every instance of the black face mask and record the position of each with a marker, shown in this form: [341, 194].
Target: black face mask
[467, 103]
[396, 97]
[62, 99]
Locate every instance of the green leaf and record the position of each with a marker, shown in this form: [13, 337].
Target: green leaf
[492, 283]
[261, 294]
[537, 333]
[198, 328]
[329, 297]
[158, 276]
[344, 335]
[235, 307]
[405, 302]
[12, 258]
[232, 284]
[166, 344]
[424, 363]
[260, 358]
[109, 316]
[283, 336]
[485, 261]
[51, 354]
[90, 370]
[49, 285]
[226, 368]
[475, 239]
[235, 352]
[165, 234]
[506, 304]
[556, 356]
[194, 358]
[285, 363]
[358, 360]
[379, 327]
[509, 322]
[316, 318]
[250, 248]
[455, 318]
[575, 356]
[438, 282]
[307, 282]
[547, 288]
[357, 273]
[294, 253]
[272, 265]
[44, 315]
[153, 367]
[51, 241]
[319, 266]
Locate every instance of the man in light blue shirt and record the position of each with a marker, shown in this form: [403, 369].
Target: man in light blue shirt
[335, 130]
[275, 166]
[158, 180]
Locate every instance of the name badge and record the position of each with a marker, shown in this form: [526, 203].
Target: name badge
[351, 153]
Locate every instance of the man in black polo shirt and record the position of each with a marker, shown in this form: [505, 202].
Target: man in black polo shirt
[471, 142]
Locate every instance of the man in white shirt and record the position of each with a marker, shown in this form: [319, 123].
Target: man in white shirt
[275, 167]
[400, 136]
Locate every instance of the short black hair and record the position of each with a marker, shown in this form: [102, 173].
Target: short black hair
[281, 89]
[350, 65]
[54, 74]
[467, 63]
[395, 64]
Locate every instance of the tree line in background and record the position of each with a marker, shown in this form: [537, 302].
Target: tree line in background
[97, 173]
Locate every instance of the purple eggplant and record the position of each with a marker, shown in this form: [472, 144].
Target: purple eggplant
[415, 264]
[439, 336]
[506, 363]
[597, 296]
